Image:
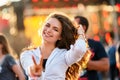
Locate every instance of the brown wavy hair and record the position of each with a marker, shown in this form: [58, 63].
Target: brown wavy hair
[73, 72]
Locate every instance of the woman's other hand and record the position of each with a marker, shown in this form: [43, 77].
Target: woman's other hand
[36, 69]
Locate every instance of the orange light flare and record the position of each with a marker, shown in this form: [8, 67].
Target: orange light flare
[118, 7]
[118, 20]
[34, 1]
[96, 37]
[106, 25]
[108, 38]
[45, 0]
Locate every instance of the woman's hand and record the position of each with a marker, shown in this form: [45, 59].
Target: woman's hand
[80, 30]
[36, 69]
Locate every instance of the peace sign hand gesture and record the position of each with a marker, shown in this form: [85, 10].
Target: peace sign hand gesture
[36, 69]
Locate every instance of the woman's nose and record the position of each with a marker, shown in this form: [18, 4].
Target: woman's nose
[49, 30]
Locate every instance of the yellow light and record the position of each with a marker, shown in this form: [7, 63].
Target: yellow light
[32, 25]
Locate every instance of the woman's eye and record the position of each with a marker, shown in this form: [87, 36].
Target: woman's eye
[47, 25]
[56, 29]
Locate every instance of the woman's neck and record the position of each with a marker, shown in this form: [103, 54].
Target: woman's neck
[46, 50]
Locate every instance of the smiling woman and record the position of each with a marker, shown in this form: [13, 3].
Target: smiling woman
[60, 48]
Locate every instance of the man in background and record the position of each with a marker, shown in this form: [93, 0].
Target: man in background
[99, 60]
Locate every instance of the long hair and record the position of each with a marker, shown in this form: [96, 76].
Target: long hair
[6, 48]
[73, 72]
[4, 43]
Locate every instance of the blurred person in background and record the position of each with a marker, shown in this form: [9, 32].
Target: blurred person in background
[119, 54]
[118, 58]
[119, 50]
[58, 51]
[9, 69]
[113, 71]
[99, 59]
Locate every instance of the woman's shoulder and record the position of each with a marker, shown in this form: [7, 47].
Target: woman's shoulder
[10, 60]
[8, 56]
[30, 51]
[61, 50]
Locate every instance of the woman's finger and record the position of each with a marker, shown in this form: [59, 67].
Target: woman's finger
[34, 60]
[41, 61]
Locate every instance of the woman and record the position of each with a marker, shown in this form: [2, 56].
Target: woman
[9, 69]
[58, 50]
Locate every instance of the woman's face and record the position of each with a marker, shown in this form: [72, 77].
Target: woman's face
[51, 30]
